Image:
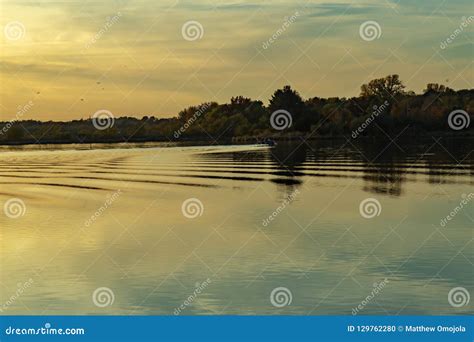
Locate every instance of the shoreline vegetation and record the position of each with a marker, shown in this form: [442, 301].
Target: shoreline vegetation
[383, 109]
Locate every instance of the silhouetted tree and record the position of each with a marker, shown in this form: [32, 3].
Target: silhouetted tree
[15, 133]
[287, 99]
[385, 87]
[436, 88]
[243, 116]
[291, 101]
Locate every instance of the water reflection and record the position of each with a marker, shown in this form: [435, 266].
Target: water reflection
[316, 244]
[384, 166]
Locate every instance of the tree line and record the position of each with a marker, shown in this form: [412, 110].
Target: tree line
[384, 107]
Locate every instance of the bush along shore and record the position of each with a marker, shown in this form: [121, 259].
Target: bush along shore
[383, 108]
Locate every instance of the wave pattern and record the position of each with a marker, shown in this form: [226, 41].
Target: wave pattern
[291, 215]
[229, 166]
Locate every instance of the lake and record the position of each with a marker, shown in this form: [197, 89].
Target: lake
[366, 227]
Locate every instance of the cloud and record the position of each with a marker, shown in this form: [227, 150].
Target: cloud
[144, 54]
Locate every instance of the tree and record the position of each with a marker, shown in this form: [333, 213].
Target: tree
[240, 102]
[382, 88]
[287, 99]
[436, 88]
[15, 133]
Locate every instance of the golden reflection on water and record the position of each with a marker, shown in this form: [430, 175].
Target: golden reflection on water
[113, 218]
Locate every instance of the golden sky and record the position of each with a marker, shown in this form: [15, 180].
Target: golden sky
[71, 58]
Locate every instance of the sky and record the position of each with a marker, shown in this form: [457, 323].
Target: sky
[64, 60]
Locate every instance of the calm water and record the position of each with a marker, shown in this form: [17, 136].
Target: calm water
[79, 233]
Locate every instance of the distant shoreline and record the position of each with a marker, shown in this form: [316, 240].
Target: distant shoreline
[384, 109]
[250, 140]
